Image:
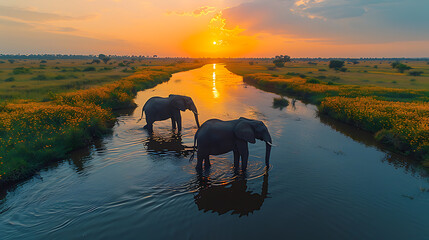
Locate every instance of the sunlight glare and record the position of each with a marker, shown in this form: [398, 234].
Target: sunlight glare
[214, 90]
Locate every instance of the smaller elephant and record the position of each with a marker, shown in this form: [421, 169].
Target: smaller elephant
[159, 109]
[217, 137]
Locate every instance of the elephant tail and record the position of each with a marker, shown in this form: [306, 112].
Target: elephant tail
[195, 147]
[142, 113]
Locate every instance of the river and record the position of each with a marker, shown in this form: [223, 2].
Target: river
[326, 179]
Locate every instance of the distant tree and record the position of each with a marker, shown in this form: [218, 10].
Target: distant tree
[155, 56]
[88, 69]
[11, 61]
[95, 61]
[395, 64]
[336, 64]
[279, 61]
[104, 58]
[43, 61]
[400, 66]
[21, 70]
[11, 79]
[251, 63]
[415, 73]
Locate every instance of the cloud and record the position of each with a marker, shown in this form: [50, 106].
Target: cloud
[342, 21]
[67, 29]
[25, 14]
[195, 13]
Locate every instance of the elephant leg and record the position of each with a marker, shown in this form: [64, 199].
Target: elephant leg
[243, 149]
[149, 125]
[179, 122]
[173, 122]
[207, 162]
[200, 158]
[236, 159]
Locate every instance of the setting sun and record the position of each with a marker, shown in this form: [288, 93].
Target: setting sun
[214, 42]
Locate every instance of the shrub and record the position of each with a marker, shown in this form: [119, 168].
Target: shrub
[394, 82]
[322, 70]
[43, 61]
[312, 63]
[343, 69]
[412, 80]
[40, 77]
[313, 80]
[296, 74]
[21, 70]
[375, 66]
[280, 103]
[59, 77]
[330, 83]
[2, 62]
[251, 63]
[88, 69]
[11, 61]
[11, 79]
[415, 73]
[271, 68]
[336, 64]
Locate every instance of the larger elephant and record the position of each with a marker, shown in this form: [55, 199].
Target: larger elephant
[159, 109]
[217, 137]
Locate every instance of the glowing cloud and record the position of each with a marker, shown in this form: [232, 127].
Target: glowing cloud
[196, 13]
[219, 41]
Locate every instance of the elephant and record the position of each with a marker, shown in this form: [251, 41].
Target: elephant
[216, 137]
[233, 197]
[159, 109]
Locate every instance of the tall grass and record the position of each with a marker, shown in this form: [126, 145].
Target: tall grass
[33, 134]
[398, 117]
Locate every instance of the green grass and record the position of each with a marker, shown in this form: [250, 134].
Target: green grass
[34, 133]
[361, 97]
[28, 79]
[363, 73]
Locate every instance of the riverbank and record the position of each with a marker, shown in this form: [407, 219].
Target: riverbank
[35, 133]
[399, 118]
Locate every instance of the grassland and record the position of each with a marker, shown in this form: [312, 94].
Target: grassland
[44, 126]
[40, 79]
[392, 105]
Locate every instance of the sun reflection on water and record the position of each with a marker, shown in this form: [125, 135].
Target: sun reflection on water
[214, 90]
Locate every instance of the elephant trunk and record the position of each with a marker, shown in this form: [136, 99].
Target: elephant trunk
[196, 119]
[193, 108]
[268, 144]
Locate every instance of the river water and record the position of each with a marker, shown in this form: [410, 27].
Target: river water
[326, 179]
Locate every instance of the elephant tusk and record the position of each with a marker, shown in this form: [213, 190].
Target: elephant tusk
[196, 113]
[272, 145]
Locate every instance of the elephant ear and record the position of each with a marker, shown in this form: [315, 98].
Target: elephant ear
[178, 102]
[245, 132]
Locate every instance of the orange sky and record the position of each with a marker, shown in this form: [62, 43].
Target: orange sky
[217, 28]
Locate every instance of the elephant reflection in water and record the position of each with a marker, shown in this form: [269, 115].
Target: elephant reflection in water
[160, 144]
[231, 197]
